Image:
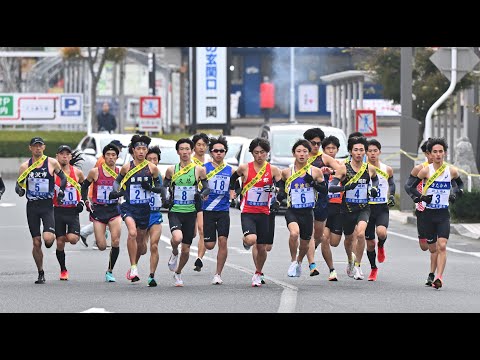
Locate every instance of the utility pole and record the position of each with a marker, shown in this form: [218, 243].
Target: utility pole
[151, 74]
[408, 125]
[292, 85]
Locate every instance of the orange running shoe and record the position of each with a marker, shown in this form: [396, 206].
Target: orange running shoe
[64, 275]
[381, 254]
[373, 275]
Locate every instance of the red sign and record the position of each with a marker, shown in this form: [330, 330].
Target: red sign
[150, 107]
[366, 122]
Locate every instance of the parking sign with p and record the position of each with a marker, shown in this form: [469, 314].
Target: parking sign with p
[71, 105]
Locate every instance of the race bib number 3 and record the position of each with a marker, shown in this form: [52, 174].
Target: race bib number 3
[257, 197]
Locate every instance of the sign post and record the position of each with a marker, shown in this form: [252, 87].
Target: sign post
[150, 114]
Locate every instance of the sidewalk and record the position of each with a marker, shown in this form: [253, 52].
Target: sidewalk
[468, 230]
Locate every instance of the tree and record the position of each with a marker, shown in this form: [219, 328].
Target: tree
[9, 70]
[95, 54]
[428, 82]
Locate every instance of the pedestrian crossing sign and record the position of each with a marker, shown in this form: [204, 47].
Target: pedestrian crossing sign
[366, 122]
[150, 107]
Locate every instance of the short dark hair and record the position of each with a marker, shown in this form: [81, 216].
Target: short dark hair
[221, 140]
[313, 133]
[355, 134]
[138, 138]
[302, 142]
[110, 147]
[437, 141]
[263, 143]
[374, 142]
[154, 150]
[200, 136]
[424, 145]
[184, 141]
[331, 140]
[357, 140]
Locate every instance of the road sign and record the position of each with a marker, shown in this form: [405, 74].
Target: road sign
[366, 122]
[70, 105]
[466, 61]
[150, 107]
[6, 105]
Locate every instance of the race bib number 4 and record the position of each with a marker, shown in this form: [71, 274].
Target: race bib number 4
[358, 195]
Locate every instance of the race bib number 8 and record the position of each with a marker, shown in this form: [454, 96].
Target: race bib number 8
[184, 195]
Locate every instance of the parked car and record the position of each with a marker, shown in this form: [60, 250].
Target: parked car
[283, 136]
[234, 146]
[92, 145]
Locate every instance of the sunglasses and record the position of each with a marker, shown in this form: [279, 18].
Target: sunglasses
[315, 143]
[218, 151]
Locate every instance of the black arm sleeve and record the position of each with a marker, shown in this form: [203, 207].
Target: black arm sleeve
[63, 180]
[157, 186]
[118, 180]
[167, 182]
[281, 195]
[321, 187]
[334, 187]
[413, 186]
[460, 184]
[375, 181]
[391, 185]
[2, 186]
[411, 179]
[205, 188]
[85, 186]
[233, 180]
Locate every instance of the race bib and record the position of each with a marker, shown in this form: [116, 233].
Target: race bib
[302, 198]
[38, 186]
[219, 184]
[138, 195]
[70, 197]
[184, 195]
[257, 197]
[155, 202]
[357, 195]
[103, 191]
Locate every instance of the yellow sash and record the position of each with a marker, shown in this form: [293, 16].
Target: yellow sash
[183, 171]
[313, 158]
[22, 177]
[72, 182]
[216, 170]
[358, 175]
[133, 171]
[110, 171]
[295, 175]
[381, 172]
[432, 178]
[196, 161]
[255, 179]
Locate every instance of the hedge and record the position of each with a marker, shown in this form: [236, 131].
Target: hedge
[466, 209]
[15, 143]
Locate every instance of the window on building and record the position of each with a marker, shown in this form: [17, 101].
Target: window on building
[237, 73]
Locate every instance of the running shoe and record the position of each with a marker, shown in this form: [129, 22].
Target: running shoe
[373, 275]
[358, 275]
[298, 270]
[64, 275]
[381, 254]
[41, 278]
[438, 283]
[430, 278]
[134, 274]
[83, 241]
[292, 269]
[217, 280]
[178, 279]
[351, 266]
[172, 262]
[198, 265]
[151, 282]
[332, 276]
[246, 247]
[109, 277]
[95, 247]
[256, 280]
[262, 279]
[313, 270]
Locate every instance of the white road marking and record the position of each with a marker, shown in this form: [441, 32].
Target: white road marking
[476, 254]
[7, 205]
[288, 299]
[96, 310]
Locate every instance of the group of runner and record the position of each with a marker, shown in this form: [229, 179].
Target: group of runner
[325, 198]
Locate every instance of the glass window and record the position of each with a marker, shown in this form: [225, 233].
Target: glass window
[237, 73]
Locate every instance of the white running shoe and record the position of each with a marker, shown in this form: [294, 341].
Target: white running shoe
[217, 280]
[172, 262]
[350, 266]
[298, 270]
[292, 269]
[178, 279]
[134, 271]
[256, 280]
[358, 275]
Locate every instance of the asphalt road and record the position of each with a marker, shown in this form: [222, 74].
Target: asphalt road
[400, 286]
